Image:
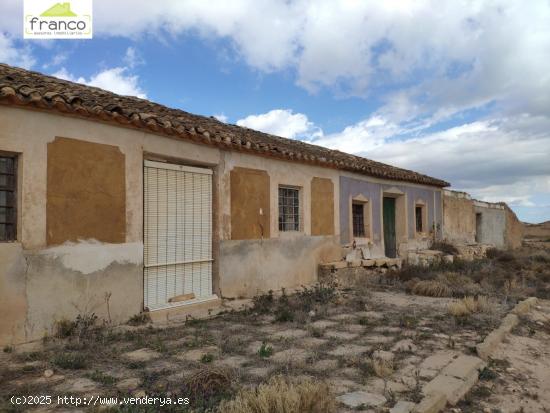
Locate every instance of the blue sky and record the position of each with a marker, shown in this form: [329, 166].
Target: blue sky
[458, 90]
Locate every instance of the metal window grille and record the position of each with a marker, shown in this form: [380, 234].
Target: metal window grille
[358, 217]
[8, 198]
[289, 209]
[418, 212]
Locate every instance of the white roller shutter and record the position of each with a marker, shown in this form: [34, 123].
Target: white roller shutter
[177, 233]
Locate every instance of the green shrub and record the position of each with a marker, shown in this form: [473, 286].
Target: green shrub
[265, 351]
[101, 377]
[207, 358]
[70, 361]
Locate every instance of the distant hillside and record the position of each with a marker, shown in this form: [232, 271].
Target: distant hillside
[541, 230]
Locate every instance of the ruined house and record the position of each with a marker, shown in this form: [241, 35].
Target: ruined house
[114, 204]
[469, 221]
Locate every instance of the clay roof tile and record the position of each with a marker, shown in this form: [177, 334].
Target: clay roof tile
[23, 87]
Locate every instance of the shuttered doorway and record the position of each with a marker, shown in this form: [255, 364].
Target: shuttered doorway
[177, 235]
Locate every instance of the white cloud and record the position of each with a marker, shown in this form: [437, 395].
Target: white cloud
[282, 122]
[133, 58]
[222, 117]
[13, 55]
[497, 159]
[57, 60]
[116, 79]
[444, 56]
[500, 159]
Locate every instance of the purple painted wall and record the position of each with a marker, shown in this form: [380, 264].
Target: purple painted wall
[354, 187]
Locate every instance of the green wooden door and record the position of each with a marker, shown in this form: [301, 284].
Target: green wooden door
[389, 227]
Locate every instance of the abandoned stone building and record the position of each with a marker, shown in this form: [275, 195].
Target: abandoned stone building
[113, 204]
[468, 221]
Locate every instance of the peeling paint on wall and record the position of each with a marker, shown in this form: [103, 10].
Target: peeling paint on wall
[91, 256]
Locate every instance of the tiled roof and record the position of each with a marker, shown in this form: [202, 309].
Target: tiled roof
[27, 88]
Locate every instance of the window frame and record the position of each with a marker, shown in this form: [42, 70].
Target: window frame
[356, 226]
[281, 214]
[13, 221]
[423, 218]
[367, 220]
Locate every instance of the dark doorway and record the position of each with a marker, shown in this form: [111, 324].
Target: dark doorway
[390, 248]
[478, 227]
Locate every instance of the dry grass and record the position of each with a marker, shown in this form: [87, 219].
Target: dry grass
[460, 285]
[470, 305]
[209, 384]
[280, 395]
[382, 368]
[432, 288]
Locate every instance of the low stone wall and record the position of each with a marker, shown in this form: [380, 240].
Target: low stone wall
[346, 274]
[473, 251]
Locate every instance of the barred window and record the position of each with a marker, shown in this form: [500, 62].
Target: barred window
[289, 209]
[358, 216]
[8, 197]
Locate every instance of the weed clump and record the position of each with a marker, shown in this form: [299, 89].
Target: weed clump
[100, 377]
[139, 319]
[431, 288]
[265, 351]
[469, 305]
[70, 361]
[445, 247]
[283, 395]
[209, 386]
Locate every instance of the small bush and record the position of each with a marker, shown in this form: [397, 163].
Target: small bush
[263, 304]
[265, 351]
[445, 247]
[459, 284]
[139, 319]
[101, 377]
[409, 272]
[208, 386]
[136, 365]
[8, 349]
[283, 314]
[382, 367]
[317, 294]
[541, 258]
[207, 358]
[431, 288]
[469, 305]
[80, 327]
[281, 395]
[500, 255]
[64, 328]
[70, 361]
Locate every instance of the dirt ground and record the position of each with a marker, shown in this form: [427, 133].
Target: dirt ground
[374, 345]
[519, 378]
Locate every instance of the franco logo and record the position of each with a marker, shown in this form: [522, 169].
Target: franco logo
[64, 20]
[59, 10]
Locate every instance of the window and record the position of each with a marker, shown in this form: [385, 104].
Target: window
[289, 209]
[420, 218]
[418, 210]
[358, 217]
[8, 197]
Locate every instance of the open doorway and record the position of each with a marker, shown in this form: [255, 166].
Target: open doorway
[478, 227]
[388, 213]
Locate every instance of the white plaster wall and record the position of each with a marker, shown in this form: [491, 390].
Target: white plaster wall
[29, 132]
